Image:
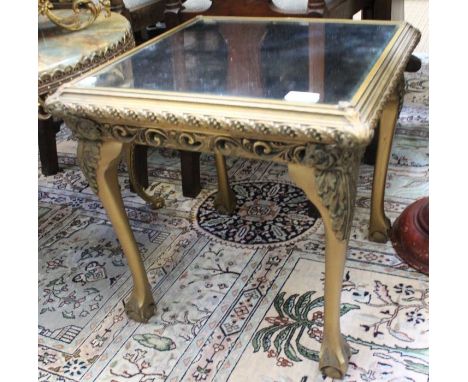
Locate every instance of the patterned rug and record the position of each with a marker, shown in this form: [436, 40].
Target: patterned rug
[238, 298]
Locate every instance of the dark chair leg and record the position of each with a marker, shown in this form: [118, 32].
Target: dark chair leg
[190, 167]
[47, 130]
[382, 10]
[367, 13]
[141, 166]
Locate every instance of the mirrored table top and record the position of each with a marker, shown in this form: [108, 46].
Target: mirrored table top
[302, 61]
[319, 80]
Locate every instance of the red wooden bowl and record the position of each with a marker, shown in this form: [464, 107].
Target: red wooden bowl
[410, 235]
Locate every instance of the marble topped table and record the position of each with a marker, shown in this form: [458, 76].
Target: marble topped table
[304, 92]
[64, 55]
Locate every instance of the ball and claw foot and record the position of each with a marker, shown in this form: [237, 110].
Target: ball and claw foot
[140, 312]
[381, 235]
[334, 361]
[225, 205]
[156, 202]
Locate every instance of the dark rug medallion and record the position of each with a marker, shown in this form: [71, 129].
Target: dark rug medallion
[266, 213]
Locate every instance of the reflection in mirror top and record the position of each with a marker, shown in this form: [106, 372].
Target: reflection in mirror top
[324, 61]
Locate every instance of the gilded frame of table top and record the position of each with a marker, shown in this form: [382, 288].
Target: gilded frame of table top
[361, 113]
[321, 144]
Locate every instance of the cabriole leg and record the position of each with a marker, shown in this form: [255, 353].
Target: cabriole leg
[225, 201]
[379, 224]
[137, 173]
[334, 352]
[140, 307]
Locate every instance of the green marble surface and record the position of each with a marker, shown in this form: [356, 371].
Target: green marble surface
[59, 48]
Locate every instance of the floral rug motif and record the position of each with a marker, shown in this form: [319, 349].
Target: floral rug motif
[239, 298]
[266, 213]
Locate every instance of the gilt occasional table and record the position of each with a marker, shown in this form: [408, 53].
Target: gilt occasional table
[305, 92]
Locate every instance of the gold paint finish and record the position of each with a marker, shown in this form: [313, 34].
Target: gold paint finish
[225, 201]
[99, 160]
[334, 352]
[321, 144]
[156, 201]
[80, 8]
[356, 118]
[140, 306]
[379, 224]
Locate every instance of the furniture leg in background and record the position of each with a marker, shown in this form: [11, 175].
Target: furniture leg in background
[317, 59]
[379, 224]
[140, 167]
[189, 161]
[47, 129]
[225, 201]
[190, 171]
[137, 162]
[243, 52]
[136, 156]
[386, 10]
[381, 9]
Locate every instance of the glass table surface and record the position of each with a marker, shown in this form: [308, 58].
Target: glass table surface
[298, 61]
